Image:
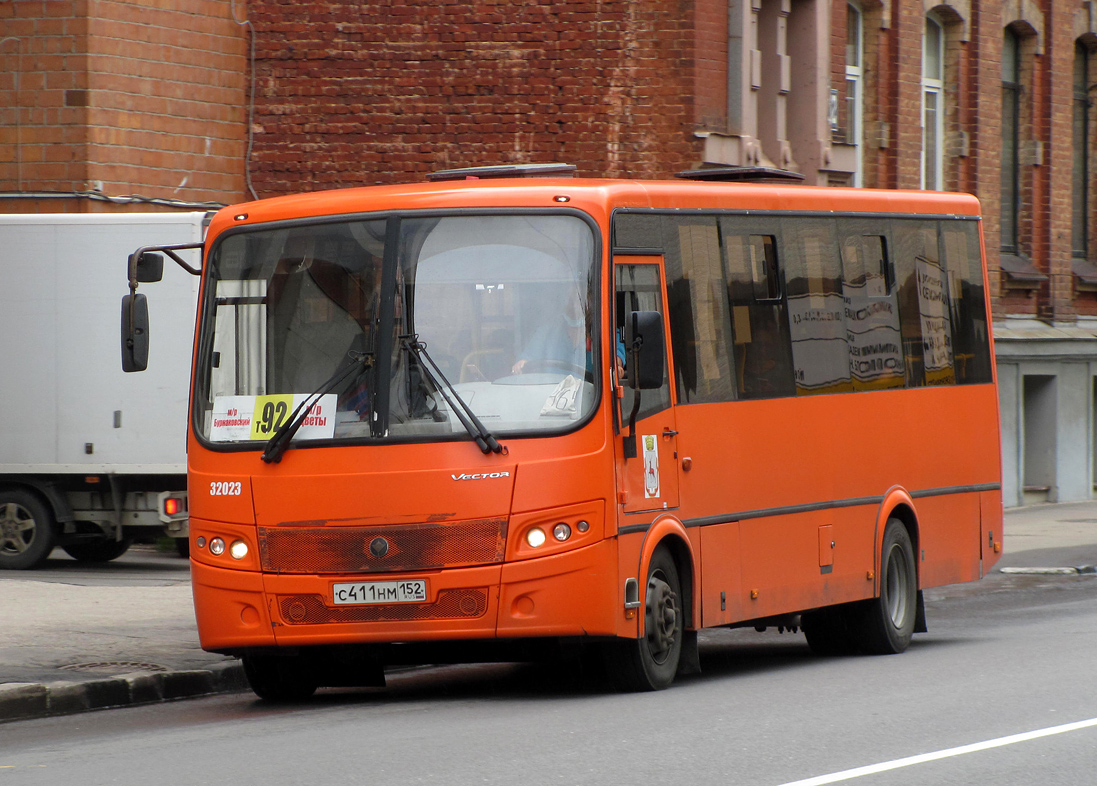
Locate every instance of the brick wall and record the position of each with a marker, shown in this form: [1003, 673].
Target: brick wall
[357, 93]
[1059, 147]
[142, 97]
[43, 94]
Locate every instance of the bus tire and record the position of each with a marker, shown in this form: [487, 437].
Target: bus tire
[28, 532]
[279, 678]
[827, 631]
[98, 550]
[885, 625]
[650, 662]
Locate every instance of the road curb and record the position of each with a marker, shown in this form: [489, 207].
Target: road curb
[1081, 570]
[25, 700]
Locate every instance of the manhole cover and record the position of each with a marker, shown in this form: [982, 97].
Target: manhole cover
[116, 666]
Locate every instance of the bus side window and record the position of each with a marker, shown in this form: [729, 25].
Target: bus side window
[700, 325]
[813, 274]
[924, 309]
[872, 309]
[759, 320]
[970, 333]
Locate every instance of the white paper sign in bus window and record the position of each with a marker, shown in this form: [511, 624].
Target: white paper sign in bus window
[651, 466]
[875, 340]
[242, 418]
[936, 330]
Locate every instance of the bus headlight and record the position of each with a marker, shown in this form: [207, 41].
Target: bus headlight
[561, 532]
[535, 537]
[238, 549]
[217, 547]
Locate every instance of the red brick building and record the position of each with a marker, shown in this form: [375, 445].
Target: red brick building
[107, 98]
[214, 100]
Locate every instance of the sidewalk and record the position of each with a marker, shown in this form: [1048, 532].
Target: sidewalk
[74, 638]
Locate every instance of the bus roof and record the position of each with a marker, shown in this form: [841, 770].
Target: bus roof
[596, 196]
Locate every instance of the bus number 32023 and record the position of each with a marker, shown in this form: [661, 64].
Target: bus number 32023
[227, 488]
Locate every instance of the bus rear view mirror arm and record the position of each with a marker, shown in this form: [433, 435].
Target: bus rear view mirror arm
[145, 266]
[644, 363]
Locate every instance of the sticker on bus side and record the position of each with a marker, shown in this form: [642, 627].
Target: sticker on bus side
[651, 466]
[243, 418]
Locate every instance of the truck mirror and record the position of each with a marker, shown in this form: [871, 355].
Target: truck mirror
[135, 333]
[150, 267]
[644, 349]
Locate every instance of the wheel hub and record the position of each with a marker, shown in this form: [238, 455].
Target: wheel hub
[661, 618]
[16, 529]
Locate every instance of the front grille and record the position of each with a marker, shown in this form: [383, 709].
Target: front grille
[450, 604]
[406, 547]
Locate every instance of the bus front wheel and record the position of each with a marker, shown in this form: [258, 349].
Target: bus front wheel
[651, 661]
[279, 678]
[885, 625]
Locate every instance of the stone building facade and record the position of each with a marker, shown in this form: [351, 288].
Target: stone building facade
[219, 100]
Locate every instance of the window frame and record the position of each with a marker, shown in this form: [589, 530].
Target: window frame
[933, 86]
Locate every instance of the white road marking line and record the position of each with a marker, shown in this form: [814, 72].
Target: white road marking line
[922, 758]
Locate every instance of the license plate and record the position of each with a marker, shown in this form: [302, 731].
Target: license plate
[372, 592]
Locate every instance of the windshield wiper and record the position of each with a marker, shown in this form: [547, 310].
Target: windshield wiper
[278, 444]
[477, 430]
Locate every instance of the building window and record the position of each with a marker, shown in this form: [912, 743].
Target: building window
[1011, 141]
[1080, 175]
[854, 84]
[933, 105]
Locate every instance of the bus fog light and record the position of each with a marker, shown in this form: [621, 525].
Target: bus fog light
[217, 546]
[583, 526]
[535, 537]
[561, 532]
[238, 549]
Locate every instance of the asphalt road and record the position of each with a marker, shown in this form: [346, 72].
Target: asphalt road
[1006, 656]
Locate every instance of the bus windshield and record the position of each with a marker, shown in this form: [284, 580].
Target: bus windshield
[502, 304]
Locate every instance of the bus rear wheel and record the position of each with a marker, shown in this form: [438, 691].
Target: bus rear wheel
[885, 625]
[651, 661]
[279, 678]
[827, 631]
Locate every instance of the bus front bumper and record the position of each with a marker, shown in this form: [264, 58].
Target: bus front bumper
[565, 595]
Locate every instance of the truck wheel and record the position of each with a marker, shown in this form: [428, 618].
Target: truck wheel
[98, 550]
[27, 530]
[650, 663]
[182, 547]
[279, 678]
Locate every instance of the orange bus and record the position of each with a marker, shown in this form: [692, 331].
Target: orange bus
[485, 416]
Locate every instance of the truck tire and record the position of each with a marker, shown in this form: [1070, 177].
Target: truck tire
[98, 550]
[27, 530]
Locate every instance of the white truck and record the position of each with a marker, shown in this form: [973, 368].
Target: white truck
[90, 457]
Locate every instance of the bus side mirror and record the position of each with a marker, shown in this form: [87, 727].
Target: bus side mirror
[149, 267]
[135, 333]
[644, 349]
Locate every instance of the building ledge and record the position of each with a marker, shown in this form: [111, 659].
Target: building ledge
[1020, 272]
[1085, 274]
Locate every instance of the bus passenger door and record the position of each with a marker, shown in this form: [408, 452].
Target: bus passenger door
[648, 481]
